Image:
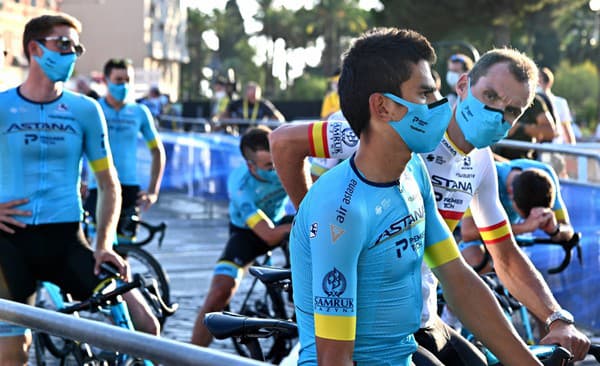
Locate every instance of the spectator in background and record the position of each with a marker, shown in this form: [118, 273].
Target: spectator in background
[331, 101]
[458, 64]
[83, 87]
[155, 102]
[221, 97]
[558, 106]
[251, 108]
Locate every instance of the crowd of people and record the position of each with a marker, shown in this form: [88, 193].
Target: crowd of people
[371, 237]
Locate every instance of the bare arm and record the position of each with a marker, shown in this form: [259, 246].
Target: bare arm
[146, 199]
[108, 209]
[544, 128]
[524, 282]
[474, 304]
[289, 147]
[271, 234]
[334, 353]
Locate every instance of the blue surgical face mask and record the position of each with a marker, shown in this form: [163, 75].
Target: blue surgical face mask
[482, 125]
[57, 66]
[268, 175]
[118, 91]
[423, 126]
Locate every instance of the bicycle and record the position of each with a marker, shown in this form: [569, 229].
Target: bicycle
[140, 260]
[105, 302]
[258, 321]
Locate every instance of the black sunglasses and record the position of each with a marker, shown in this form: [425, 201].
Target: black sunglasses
[65, 44]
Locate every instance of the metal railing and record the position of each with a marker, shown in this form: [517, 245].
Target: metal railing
[113, 338]
[574, 163]
[200, 124]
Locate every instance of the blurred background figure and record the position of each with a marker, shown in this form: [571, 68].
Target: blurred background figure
[83, 86]
[458, 64]
[558, 106]
[331, 101]
[221, 97]
[155, 101]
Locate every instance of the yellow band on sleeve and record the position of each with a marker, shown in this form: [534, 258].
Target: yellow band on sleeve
[152, 144]
[560, 214]
[441, 252]
[468, 213]
[340, 328]
[495, 233]
[100, 164]
[256, 218]
[316, 135]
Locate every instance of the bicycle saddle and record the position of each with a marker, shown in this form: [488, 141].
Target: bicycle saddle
[225, 325]
[269, 275]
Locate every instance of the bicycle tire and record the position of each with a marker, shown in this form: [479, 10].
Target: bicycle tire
[56, 346]
[144, 263]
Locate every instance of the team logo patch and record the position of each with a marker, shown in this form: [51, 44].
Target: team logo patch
[336, 232]
[334, 285]
[62, 107]
[313, 230]
[349, 137]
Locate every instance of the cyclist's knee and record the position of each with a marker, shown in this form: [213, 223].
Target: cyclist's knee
[141, 315]
[14, 349]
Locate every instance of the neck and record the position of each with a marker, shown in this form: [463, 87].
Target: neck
[38, 88]
[456, 135]
[381, 156]
[115, 104]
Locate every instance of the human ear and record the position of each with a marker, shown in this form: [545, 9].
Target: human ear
[462, 86]
[379, 107]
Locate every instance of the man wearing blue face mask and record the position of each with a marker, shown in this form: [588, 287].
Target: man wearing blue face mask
[365, 227]
[127, 119]
[258, 222]
[491, 98]
[45, 132]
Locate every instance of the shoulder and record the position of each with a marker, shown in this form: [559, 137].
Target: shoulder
[81, 102]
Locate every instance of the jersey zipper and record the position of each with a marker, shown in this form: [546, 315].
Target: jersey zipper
[43, 165]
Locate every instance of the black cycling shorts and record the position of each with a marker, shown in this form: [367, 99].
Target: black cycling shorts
[57, 253]
[129, 196]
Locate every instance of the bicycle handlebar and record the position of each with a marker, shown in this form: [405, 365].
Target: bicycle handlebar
[152, 231]
[567, 246]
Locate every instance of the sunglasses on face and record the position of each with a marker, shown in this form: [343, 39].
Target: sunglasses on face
[65, 44]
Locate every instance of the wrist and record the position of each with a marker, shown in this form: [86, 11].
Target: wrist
[554, 232]
[562, 316]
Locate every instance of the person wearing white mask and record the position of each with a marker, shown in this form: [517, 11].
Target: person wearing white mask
[458, 64]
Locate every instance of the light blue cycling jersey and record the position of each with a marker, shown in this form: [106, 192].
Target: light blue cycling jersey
[252, 200]
[124, 125]
[41, 145]
[504, 168]
[356, 254]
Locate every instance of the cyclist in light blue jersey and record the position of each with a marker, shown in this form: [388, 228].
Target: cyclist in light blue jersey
[258, 223]
[44, 132]
[127, 119]
[363, 229]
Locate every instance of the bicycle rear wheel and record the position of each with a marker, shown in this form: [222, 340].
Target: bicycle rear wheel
[142, 262]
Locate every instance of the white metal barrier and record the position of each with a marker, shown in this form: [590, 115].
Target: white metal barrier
[164, 351]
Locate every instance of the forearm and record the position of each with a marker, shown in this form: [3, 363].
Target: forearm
[474, 304]
[107, 212]
[289, 149]
[334, 353]
[157, 169]
[523, 280]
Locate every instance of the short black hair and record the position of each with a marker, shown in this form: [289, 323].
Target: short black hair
[253, 140]
[379, 61]
[533, 188]
[116, 63]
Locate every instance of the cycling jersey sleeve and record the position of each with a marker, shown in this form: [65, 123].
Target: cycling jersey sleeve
[147, 127]
[334, 253]
[247, 209]
[95, 140]
[487, 210]
[440, 246]
[333, 139]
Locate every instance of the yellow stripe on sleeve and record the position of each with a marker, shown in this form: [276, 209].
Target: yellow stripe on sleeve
[100, 165]
[317, 140]
[441, 252]
[560, 214]
[152, 144]
[256, 218]
[339, 328]
[495, 233]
